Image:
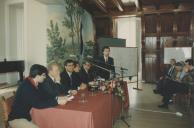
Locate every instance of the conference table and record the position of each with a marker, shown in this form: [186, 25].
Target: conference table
[98, 111]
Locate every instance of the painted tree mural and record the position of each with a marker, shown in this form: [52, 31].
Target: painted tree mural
[73, 22]
[56, 50]
[60, 49]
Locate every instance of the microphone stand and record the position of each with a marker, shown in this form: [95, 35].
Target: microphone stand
[110, 71]
[100, 67]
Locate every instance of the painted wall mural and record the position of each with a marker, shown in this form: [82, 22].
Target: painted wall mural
[70, 33]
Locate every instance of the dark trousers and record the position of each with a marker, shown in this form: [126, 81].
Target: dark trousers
[171, 87]
[159, 86]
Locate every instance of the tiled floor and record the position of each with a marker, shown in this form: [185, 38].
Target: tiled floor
[145, 113]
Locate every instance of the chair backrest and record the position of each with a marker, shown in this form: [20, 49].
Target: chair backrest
[6, 103]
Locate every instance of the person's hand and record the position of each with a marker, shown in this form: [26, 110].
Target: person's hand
[73, 92]
[62, 100]
[83, 86]
[161, 77]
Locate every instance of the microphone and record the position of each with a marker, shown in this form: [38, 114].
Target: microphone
[95, 65]
[101, 62]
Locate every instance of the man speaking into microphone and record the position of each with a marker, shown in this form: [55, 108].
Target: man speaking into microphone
[106, 62]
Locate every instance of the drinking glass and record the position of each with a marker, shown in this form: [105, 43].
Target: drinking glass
[93, 87]
[83, 98]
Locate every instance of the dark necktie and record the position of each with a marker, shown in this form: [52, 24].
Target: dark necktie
[71, 81]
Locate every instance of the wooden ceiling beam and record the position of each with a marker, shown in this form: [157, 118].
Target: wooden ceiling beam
[105, 11]
[101, 5]
[146, 12]
[118, 4]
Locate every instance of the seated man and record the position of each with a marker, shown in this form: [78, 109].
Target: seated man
[51, 85]
[179, 71]
[181, 86]
[69, 78]
[28, 96]
[170, 74]
[86, 73]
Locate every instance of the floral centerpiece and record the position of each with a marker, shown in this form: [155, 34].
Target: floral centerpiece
[114, 87]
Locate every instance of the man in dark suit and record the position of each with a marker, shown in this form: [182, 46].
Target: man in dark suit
[106, 62]
[51, 85]
[28, 96]
[170, 73]
[69, 78]
[86, 73]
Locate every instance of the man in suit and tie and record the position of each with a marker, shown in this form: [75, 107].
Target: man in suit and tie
[171, 73]
[51, 88]
[106, 62]
[69, 78]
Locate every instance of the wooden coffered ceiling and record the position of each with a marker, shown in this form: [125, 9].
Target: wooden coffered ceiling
[114, 8]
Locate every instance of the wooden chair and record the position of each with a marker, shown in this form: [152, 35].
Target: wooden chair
[6, 103]
[183, 100]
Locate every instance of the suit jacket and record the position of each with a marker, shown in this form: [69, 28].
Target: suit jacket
[28, 96]
[49, 88]
[67, 83]
[109, 66]
[171, 73]
[86, 77]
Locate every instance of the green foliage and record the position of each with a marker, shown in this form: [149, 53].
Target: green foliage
[73, 21]
[56, 50]
[89, 49]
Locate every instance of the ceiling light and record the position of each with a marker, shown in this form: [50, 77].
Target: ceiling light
[126, 1]
[131, 1]
[102, 2]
